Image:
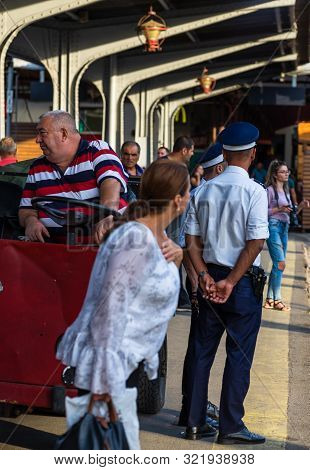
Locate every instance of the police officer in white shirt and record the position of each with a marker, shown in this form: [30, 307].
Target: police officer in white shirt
[225, 229]
[213, 163]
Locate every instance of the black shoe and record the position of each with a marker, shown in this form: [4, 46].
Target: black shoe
[242, 437]
[212, 417]
[194, 433]
[212, 422]
[213, 411]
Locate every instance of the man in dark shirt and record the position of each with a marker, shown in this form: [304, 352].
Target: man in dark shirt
[130, 154]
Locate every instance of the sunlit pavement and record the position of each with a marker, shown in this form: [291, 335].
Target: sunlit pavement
[277, 404]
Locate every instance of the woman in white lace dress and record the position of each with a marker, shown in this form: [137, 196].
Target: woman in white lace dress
[132, 294]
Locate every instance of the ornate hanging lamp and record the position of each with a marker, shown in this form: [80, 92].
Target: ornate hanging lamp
[151, 26]
[207, 83]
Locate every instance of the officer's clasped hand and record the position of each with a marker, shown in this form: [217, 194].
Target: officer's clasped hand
[221, 291]
[206, 284]
[217, 292]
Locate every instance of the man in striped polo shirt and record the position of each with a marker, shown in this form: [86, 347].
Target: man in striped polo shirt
[70, 167]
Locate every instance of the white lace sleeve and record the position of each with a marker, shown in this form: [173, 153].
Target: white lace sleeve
[128, 264]
[127, 258]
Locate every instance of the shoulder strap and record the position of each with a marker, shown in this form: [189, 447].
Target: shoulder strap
[258, 182]
[276, 195]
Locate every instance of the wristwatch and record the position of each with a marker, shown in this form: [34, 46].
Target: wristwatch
[202, 273]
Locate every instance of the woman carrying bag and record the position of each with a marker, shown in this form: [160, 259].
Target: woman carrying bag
[279, 210]
[132, 294]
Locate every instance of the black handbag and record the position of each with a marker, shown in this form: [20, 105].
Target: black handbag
[94, 433]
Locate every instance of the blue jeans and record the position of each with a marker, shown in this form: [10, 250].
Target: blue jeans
[277, 245]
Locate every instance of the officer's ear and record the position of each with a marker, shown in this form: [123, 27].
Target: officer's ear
[219, 169]
[253, 154]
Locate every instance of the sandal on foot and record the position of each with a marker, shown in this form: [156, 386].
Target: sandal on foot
[269, 303]
[279, 305]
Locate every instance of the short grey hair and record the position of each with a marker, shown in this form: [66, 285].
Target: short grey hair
[62, 119]
[131, 142]
[7, 146]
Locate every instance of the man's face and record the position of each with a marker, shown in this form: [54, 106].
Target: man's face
[188, 153]
[49, 138]
[130, 156]
[183, 201]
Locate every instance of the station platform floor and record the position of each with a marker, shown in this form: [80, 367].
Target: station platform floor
[277, 404]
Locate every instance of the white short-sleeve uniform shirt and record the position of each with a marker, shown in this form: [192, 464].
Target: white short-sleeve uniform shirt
[226, 212]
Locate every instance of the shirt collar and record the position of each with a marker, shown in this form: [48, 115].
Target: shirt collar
[83, 145]
[139, 170]
[237, 169]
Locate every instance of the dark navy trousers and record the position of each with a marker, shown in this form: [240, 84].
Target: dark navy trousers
[240, 316]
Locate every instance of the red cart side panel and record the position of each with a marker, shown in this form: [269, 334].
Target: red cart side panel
[29, 395]
[41, 292]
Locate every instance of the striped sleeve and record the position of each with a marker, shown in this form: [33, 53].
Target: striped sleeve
[107, 164]
[29, 190]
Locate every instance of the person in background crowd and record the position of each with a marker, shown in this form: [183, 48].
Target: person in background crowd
[162, 152]
[225, 229]
[299, 190]
[259, 173]
[291, 185]
[213, 164]
[279, 210]
[76, 169]
[196, 176]
[132, 295]
[8, 150]
[182, 152]
[294, 222]
[130, 154]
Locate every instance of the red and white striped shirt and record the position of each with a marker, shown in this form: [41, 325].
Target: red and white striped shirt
[93, 163]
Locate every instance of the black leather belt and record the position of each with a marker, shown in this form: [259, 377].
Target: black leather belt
[255, 273]
[226, 268]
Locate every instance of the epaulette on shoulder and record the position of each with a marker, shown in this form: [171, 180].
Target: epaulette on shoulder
[261, 184]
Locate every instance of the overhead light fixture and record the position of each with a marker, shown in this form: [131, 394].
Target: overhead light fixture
[282, 77]
[207, 82]
[151, 27]
[83, 16]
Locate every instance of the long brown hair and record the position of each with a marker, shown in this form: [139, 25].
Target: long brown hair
[271, 179]
[160, 183]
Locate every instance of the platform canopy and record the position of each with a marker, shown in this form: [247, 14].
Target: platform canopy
[241, 43]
